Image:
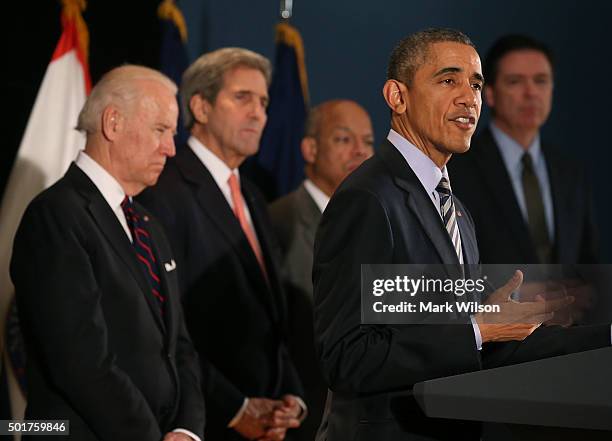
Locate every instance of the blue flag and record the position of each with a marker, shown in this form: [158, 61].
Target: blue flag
[278, 167]
[173, 58]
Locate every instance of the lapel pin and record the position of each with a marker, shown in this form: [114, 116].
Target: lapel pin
[459, 213]
[145, 218]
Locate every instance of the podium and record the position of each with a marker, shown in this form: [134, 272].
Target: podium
[571, 391]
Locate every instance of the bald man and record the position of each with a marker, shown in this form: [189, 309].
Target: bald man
[338, 139]
[96, 283]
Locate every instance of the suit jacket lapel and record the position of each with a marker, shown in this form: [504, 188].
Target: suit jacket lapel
[309, 213]
[112, 229]
[562, 213]
[215, 207]
[491, 164]
[468, 236]
[420, 204]
[162, 254]
[265, 242]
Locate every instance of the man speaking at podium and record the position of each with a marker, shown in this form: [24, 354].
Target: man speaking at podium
[398, 208]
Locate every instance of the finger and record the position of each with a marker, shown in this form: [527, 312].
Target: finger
[288, 412]
[503, 293]
[289, 400]
[286, 422]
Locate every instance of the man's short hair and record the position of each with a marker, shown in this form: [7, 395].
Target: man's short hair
[205, 75]
[119, 87]
[511, 43]
[411, 52]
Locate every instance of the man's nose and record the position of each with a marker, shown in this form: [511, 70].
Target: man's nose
[167, 145]
[469, 97]
[258, 110]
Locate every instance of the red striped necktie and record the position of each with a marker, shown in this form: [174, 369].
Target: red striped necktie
[141, 240]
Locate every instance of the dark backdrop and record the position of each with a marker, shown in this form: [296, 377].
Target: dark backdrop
[347, 44]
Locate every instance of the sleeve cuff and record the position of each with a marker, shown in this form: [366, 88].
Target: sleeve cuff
[304, 413]
[191, 435]
[239, 414]
[477, 335]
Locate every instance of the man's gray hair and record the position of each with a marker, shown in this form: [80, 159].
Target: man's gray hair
[205, 75]
[411, 52]
[120, 87]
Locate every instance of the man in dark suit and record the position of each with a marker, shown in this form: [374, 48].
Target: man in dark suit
[530, 204]
[96, 283]
[235, 308]
[338, 138]
[398, 208]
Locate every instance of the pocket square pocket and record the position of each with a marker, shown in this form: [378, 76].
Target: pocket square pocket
[170, 266]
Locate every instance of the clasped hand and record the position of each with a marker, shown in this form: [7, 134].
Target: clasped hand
[268, 420]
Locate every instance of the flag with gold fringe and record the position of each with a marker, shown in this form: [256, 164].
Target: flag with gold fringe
[278, 167]
[47, 147]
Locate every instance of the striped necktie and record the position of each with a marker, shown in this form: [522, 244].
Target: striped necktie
[141, 240]
[449, 215]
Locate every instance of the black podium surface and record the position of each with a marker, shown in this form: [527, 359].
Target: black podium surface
[572, 391]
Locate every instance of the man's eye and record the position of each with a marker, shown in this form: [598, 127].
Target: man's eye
[477, 86]
[342, 139]
[448, 81]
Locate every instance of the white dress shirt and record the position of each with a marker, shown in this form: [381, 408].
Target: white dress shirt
[111, 191]
[317, 195]
[113, 194]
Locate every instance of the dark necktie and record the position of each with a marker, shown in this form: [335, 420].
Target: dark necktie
[449, 215]
[535, 211]
[141, 240]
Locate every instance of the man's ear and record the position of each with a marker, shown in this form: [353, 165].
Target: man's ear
[489, 96]
[112, 123]
[309, 149]
[200, 108]
[393, 92]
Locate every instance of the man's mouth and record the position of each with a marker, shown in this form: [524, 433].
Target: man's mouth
[465, 121]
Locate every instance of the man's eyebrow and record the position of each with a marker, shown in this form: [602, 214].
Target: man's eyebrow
[446, 70]
[478, 76]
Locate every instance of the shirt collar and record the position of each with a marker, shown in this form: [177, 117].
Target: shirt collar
[320, 198]
[512, 152]
[217, 168]
[428, 173]
[107, 185]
